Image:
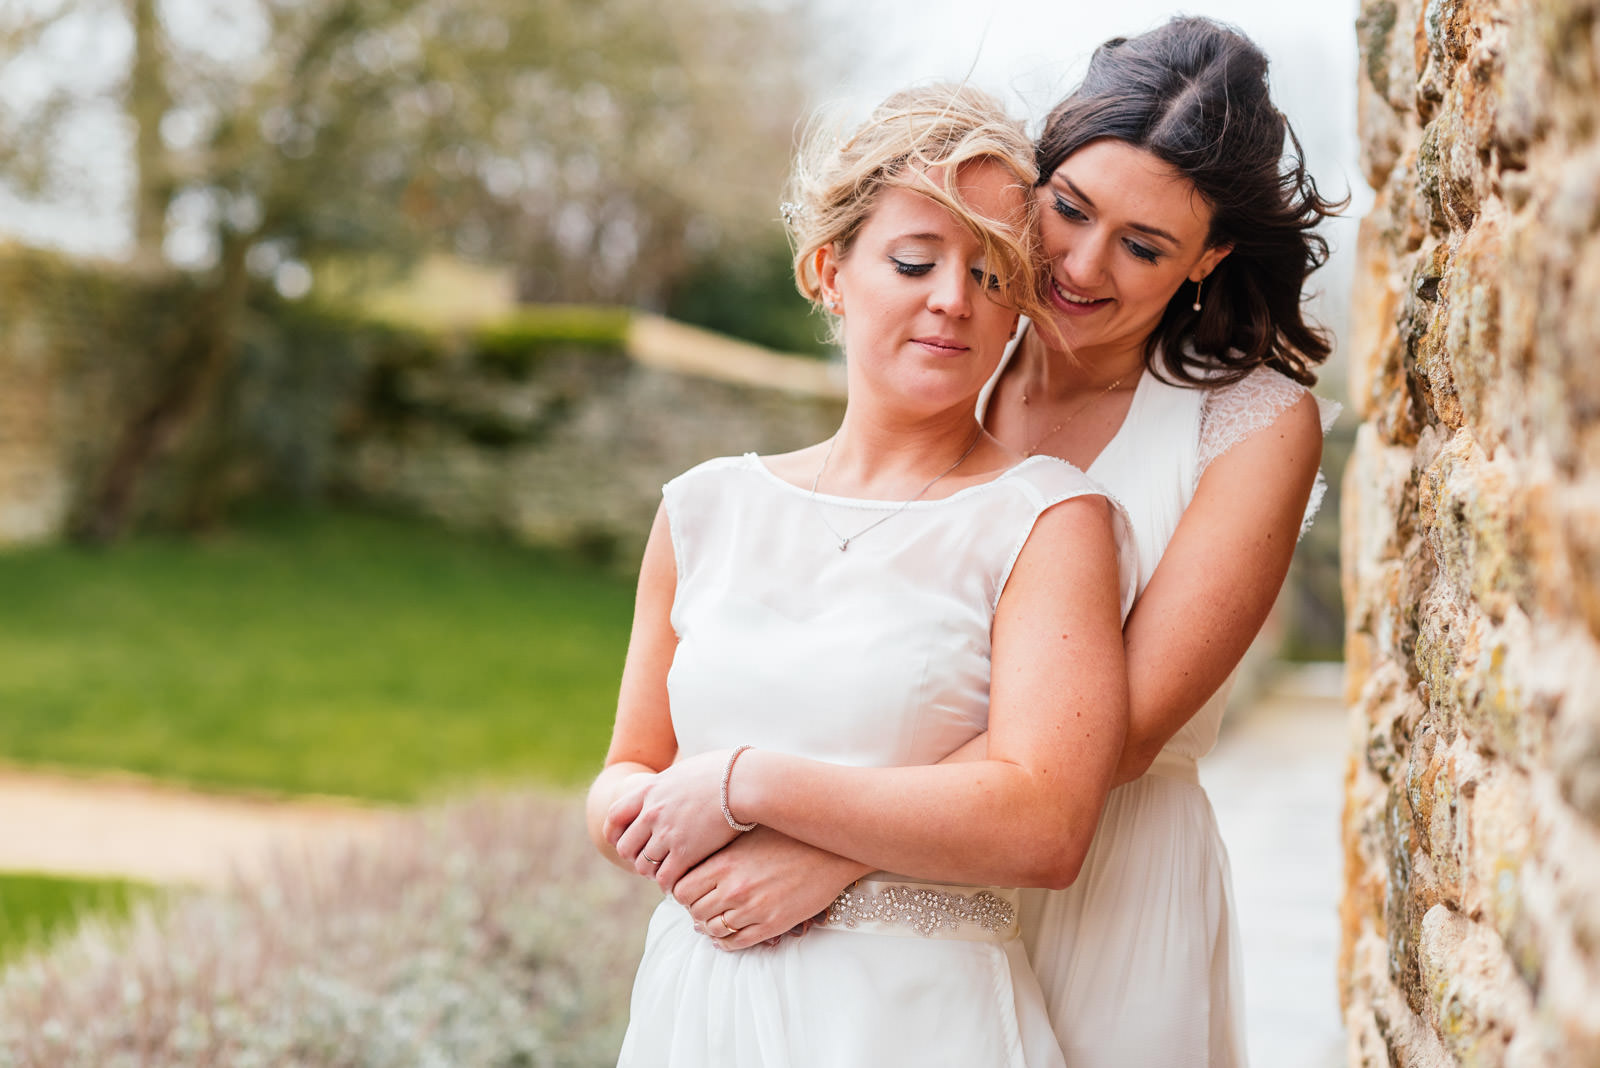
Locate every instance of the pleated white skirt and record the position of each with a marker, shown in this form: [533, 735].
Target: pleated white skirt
[834, 999]
[1139, 958]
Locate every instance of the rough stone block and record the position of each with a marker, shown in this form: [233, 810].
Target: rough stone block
[1472, 324]
[1472, 542]
[1476, 998]
[1374, 303]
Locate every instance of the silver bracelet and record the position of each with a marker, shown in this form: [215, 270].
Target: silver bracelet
[727, 813]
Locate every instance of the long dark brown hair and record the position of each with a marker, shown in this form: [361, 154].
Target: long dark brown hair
[1194, 94]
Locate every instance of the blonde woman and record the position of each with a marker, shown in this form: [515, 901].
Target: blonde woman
[815, 630]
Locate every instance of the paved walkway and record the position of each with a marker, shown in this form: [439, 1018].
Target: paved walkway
[673, 346]
[1275, 779]
[132, 828]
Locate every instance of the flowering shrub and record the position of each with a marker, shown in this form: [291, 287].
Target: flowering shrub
[488, 933]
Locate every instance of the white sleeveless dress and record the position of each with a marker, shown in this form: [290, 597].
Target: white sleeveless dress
[876, 656]
[1139, 959]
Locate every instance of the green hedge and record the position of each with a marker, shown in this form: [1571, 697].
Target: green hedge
[512, 345]
[305, 373]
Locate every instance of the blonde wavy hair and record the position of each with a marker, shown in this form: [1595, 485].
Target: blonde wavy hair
[916, 139]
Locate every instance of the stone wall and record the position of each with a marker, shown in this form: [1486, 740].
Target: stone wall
[1471, 916]
[563, 443]
[68, 371]
[35, 491]
[574, 449]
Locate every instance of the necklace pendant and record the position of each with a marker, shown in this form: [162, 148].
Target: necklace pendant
[844, 542]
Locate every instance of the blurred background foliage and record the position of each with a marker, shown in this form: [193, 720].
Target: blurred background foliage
[617, 153]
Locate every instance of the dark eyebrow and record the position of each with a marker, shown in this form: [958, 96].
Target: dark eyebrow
[1153, 231]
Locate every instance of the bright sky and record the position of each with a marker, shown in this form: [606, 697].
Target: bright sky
[1030, 51]
[1034, 51]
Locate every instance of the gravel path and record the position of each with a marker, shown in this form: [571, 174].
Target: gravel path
[128, 827]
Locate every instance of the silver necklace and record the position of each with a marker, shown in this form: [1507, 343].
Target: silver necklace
[1027, 419]
[844, 542]
[1053, 431]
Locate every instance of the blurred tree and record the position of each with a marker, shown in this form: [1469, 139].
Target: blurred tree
[750, 293]
[648, 137]
[603, 146]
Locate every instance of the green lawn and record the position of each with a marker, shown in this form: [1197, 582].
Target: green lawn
[33, 908]
[319, 652]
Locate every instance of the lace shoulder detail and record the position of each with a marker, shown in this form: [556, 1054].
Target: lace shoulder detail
[1234, 412]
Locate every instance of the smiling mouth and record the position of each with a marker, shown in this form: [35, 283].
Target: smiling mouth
[1072, 298]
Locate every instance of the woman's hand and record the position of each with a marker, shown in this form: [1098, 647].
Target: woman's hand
[761, 887]
[667, 823]
[617, 781]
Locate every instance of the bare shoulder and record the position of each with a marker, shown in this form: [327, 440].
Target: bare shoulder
[797, 467]
[1070, 527]
[658, 570]
[1069, 568]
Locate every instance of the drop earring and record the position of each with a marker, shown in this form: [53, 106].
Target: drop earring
[1198, 282]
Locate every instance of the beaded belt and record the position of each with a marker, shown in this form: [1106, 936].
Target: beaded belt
[883, 904]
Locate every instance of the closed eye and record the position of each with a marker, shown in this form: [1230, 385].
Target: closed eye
[914, 270]
[1067, 210]
[1143, 252]
[985, 279]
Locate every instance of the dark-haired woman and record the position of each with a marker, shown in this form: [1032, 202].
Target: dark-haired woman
[1178, 219]
[1179, 236]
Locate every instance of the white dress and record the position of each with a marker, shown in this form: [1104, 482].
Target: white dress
[876, 656]
[1139, 959]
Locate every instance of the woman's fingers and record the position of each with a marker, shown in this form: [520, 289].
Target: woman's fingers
[711, 903]
[732, 928]
[748, 937]
[695, 884]
[671, 869]
[727, 931]
[760, 934]
[625, 809]
[632, 841]
[757, 934]
[764, 879]
[680, 805]
[648, 863]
